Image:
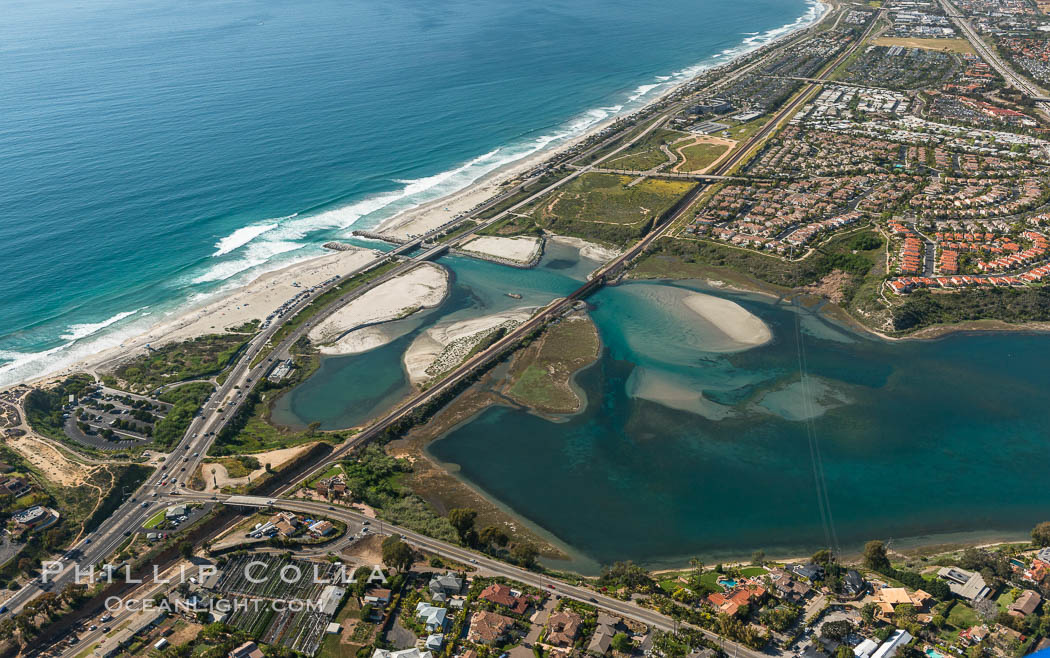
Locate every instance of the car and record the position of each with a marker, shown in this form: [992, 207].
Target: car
[473, 561]
[183, 468]
[127, 533]
[330, 507]
[145, 504]
[92, 627]
[550, 586]
[105, 629]
[88, 540]
[366, 522]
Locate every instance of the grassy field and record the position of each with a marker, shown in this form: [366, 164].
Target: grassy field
[605, 198]
[646, 153]
[598, 207]
[742, 131]
[699, 156]
[541, 375]
[962, 616]
[193, 359]
[961, 46]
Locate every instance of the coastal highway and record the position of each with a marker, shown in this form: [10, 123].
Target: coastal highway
[221, 406]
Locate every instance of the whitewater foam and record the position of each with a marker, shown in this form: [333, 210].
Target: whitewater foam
[277, 242]
[241, 237]
[78, 331]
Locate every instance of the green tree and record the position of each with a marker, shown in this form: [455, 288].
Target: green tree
[622, 643]
[186, 549]
[823, 556]
[1041, 534]
[397, 554]
[462, 519]
[875, 556]
[843, 652]
[525, 554]
[494, 536]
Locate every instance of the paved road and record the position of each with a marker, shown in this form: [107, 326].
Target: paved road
[228, 397]
[493, 567]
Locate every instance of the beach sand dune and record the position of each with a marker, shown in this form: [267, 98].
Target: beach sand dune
[344, 332]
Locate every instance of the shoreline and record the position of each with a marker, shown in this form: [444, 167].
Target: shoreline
[475, 192]
[465, 199]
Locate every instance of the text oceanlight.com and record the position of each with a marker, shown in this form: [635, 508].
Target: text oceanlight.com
[116, 604]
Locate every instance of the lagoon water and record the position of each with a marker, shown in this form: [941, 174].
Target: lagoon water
[685, 449]
[944, 437]
[157, 152]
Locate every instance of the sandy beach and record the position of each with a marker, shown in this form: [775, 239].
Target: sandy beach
[738, 324]
[251, 302]
[444, 345]
[424, 286]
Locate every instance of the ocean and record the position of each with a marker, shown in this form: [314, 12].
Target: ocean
[158, 153]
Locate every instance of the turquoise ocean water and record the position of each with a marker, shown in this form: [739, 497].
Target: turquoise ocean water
[157, 152]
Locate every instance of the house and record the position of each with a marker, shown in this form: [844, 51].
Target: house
[404, 653]
[247, 650]
[445, 585]
[888, 598]
[562, 628]
[377, 596]
[434, 642]
[175, 511]
[601, 640]
[433, 618]
[810, 571]
[865, 648]
[889, 648]
[974, 634]
[322, 528]
[789, 589]
[967, 585]
[853, 583]
[17, 487]
[1025, 604]
[500, 594]
[488, 627]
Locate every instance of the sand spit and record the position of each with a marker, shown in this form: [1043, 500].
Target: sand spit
[738, 324]
[345, 331]
[444, 345]
[521, 250]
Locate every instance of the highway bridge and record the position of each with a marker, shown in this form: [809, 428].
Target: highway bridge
[258, 353]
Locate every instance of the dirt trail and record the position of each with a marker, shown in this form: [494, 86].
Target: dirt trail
[704, 139]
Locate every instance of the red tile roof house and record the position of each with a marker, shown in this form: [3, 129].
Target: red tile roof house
[500, 594]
